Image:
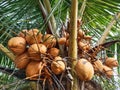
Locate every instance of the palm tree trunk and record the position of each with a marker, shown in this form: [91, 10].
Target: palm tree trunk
[73, 42]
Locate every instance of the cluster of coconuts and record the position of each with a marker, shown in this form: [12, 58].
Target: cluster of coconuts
[35, 53]
[86, 67]
[105, 67]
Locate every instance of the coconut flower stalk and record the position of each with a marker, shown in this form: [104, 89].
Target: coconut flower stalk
[7, 52]
[73, 42]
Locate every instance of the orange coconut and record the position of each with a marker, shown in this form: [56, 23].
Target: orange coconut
[111, 62]
[21, 61]
[22, 33]
[84, 69]
[98, 66]
[83, 46]
[58, 58]
[62, 41]
[81, 33]
[67, 43]
[108, 71]
[17, 45]
[88, 37]
[33, 36]
[49, 40]
[54, 52]
[32, 70]
[35, 51]
[58, 67]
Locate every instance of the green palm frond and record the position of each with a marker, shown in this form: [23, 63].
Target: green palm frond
[98, 15]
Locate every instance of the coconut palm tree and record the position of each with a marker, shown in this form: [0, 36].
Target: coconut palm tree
[100, 19]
